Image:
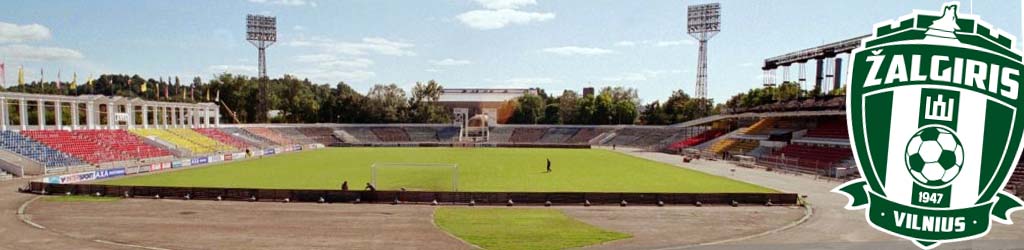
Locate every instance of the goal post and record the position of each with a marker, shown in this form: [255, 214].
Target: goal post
[415, 176]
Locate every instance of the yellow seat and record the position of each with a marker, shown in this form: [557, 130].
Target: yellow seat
[185, 139]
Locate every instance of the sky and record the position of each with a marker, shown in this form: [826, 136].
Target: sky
[551, 44]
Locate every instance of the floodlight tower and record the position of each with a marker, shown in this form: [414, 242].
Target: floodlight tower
[262, 32]
[703, 22]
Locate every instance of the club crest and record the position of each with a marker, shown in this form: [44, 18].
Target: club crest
[934, 110]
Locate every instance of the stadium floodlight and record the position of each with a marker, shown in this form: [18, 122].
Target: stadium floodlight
[415, 176]
[261, 32]
[703, 22]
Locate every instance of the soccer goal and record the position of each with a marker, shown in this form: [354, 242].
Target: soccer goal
[415, 176]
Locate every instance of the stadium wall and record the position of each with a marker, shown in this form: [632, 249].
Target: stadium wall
[414, 197]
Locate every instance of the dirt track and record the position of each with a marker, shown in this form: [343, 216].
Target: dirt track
[237, 225]
[831, 226]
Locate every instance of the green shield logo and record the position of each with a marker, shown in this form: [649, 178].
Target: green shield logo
[935, 115]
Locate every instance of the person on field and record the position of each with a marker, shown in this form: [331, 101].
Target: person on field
[370, 187]
[344, 186]
[549, 165]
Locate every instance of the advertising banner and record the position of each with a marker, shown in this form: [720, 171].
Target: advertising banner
[109, 173]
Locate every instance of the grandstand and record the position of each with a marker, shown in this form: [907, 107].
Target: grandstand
[50, 158]
[225, 138]
[559, 135]
[527, 135]
[98, 146]
[249, 138]
[269, 135]
[391, 134]
[185, 139]
[294, 134]
[322, 135]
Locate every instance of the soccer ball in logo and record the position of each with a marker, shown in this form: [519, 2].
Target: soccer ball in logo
[934, 156]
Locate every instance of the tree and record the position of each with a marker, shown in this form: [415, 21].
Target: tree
[424, 107]
[387, 103]
[528, 109]
[567, 107]
[551, 114]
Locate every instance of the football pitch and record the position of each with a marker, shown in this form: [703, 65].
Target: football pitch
[479, 169]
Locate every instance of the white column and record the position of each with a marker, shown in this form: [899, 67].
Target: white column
[5, 119]
[145, 116]
[56, 114]
[23, 110]
[90, 115]
[111, 121]
[130, 109]
[194, 117]
[74, 115]
[207, 113]
[4, 110]
[41, 114]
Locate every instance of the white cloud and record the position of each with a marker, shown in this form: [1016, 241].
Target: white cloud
[234, 69]
[314, 58]
[36, 53]
[331, 76]
[369, 45]
[299, 27]
[432, 70]
[574, 50]
[450, 62]
[345, 64]
[674, 43]
[496, 19]
[10, 32]
[625, 44]
[285, 2]
[505, 4]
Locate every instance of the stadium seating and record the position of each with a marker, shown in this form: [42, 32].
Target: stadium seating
[49, 157]
[584, 135]
[391, 134]
[501, 134]
[185, 139]
[269, 135]
[448, 134]
[809, 156]
[362, 134]
[832, 129]
[248, 137]
[421, 134]
[559, 135]
[1016, 183]
[697, 139]
[758, 127]
[293, 134]
[97, 146]
[625, 136]
[129, 145]
[653, 136]
[322, 135]
[225, 138]
[527, 135]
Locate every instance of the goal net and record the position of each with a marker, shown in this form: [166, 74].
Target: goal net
[415, 176]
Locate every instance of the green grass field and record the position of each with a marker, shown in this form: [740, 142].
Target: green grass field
[479, 169]
[506, 228]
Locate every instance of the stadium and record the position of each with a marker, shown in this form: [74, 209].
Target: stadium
[240, 162]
